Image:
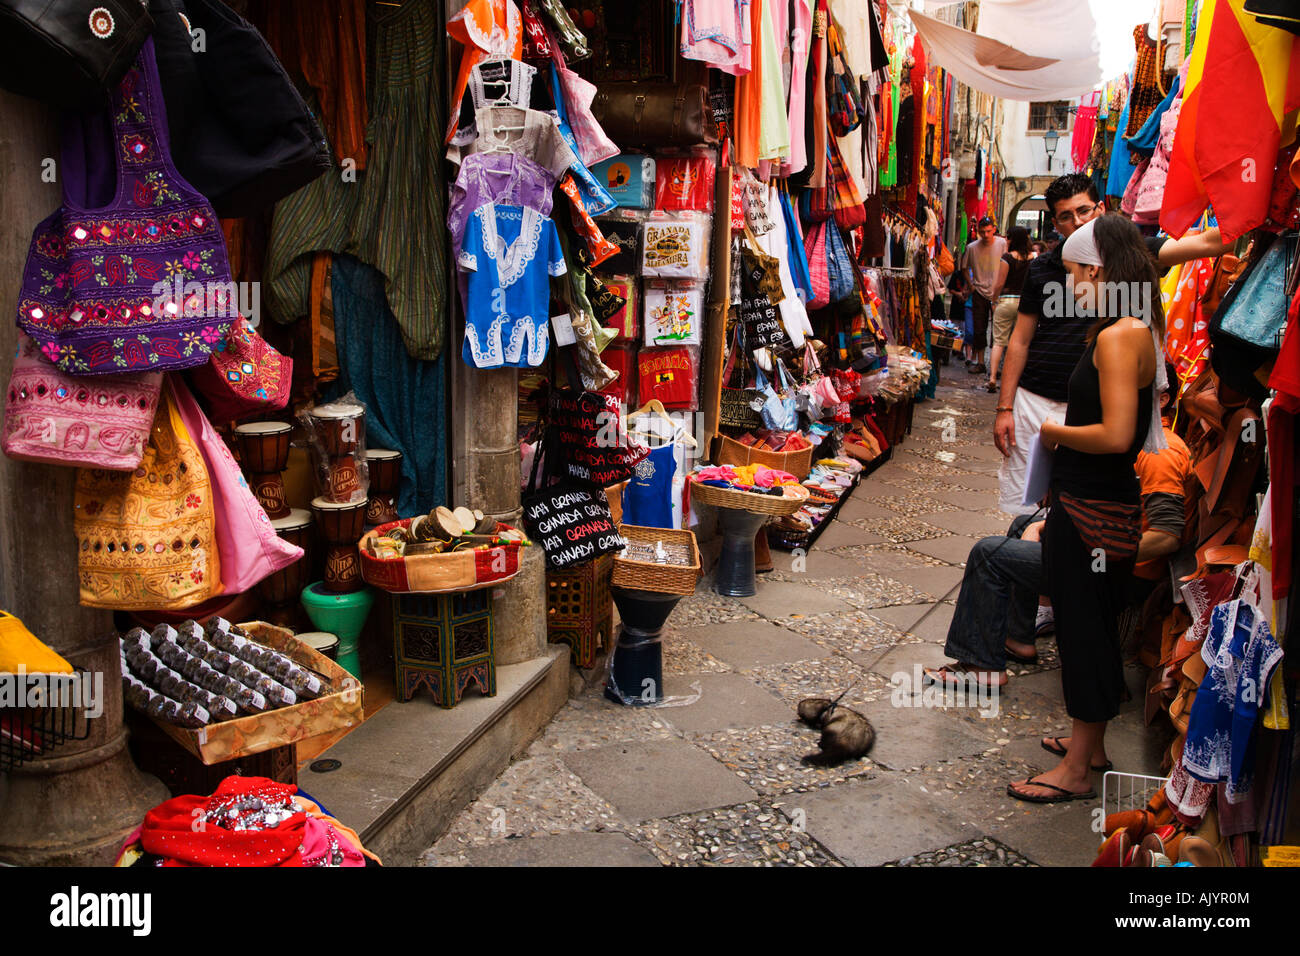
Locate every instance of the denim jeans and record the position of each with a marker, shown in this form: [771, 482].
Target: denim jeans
[998, 600]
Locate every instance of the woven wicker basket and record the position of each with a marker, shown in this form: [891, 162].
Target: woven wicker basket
[792, 501]
[629, 572]
[728, 451]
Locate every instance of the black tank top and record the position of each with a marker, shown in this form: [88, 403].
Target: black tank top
[1103, 477]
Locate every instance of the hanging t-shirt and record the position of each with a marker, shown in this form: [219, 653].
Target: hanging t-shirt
[509, 251]
[647, 499]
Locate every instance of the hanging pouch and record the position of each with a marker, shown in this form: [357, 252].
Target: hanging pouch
[779, 406]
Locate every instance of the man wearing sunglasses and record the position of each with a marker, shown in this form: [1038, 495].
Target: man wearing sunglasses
[1046, 346]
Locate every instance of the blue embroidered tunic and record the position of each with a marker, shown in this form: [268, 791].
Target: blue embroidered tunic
[509, 252]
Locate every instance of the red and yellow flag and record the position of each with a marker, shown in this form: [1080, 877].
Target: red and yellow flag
[1243, 79]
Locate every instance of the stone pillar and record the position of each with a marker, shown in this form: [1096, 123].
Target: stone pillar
[485, 475]
[76, 804]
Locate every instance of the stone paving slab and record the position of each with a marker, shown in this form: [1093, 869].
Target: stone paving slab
[936, 582]
[660, 778]
[777, 600]
[753, 644]
[871, 822]
[814, 565]
[903, 618]
[954, 549]
[575, 849]
[916, 735]
[840, 534]
[721, 701]
[973, 524]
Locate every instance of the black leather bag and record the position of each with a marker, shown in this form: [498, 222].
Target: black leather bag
[240, 132]
[656, 114]
[69, 53]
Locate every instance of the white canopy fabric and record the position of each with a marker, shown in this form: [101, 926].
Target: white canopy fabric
[1037, 50]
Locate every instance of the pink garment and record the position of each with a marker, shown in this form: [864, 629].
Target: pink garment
[716, 473]
[250, 549]
[1129, 202]
[319, 840]
[1085, 130]
[768, 477]
[1152, 189]
[716, 32]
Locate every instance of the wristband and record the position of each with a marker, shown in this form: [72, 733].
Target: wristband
[1004, 408]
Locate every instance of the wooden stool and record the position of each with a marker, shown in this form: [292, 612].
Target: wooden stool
[443, 641]
[580, 609]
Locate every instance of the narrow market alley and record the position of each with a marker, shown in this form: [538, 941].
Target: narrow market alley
[714, 777]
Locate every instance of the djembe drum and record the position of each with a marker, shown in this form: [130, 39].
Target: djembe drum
[264, 453]
[340, 430]
[281, 589]
[341, 524]
[385, 468]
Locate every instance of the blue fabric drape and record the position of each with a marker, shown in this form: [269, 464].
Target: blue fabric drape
[405, 398]
[1121, 166]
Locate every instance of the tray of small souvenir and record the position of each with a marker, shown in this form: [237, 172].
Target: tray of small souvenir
[657, 559]
[831, 483]
[442, 552]
[230, 690]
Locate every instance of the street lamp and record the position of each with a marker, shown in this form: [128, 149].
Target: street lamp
[1050, 139]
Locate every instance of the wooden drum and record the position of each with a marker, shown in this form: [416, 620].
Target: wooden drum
[340, 427]
[385, 468]
[264, 453]
[341, 525]
[284, 586]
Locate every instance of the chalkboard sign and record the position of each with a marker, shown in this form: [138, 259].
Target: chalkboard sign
[586, 439]
[571, 523]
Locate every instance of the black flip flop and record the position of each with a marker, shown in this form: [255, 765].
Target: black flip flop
[1059, 751]
[1018, 658]
[1064, 796]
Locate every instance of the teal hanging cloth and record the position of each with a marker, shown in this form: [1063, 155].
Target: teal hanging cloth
[405, 397]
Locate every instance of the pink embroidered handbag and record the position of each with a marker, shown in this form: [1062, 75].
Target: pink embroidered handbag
[250, 549]
[58, 419]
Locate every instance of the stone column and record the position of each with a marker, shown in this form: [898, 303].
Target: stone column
[485, 475]
[75, 805]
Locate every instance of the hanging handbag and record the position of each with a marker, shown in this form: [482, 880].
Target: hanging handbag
[250, 549]
[54, 418]
[656, 114]
[779, 411]
[739, 405]
[99, 290]
[1254, 310]
[839, 264]
[146, 539]
[70, 54]
[240, 132]
[818, 269]
[244, 377]
[944, 261]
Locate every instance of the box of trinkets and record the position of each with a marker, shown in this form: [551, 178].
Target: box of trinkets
[337, 709]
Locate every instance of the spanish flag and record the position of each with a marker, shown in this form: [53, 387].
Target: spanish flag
[1242, 81]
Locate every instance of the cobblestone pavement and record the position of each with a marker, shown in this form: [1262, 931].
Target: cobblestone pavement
[715, 779]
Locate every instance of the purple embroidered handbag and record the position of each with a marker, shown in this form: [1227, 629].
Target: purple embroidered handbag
[130, 273]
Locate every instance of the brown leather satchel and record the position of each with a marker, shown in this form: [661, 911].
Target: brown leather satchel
[655, 114]
[1227, 269]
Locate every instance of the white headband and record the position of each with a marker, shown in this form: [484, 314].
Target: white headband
[1081, 247]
